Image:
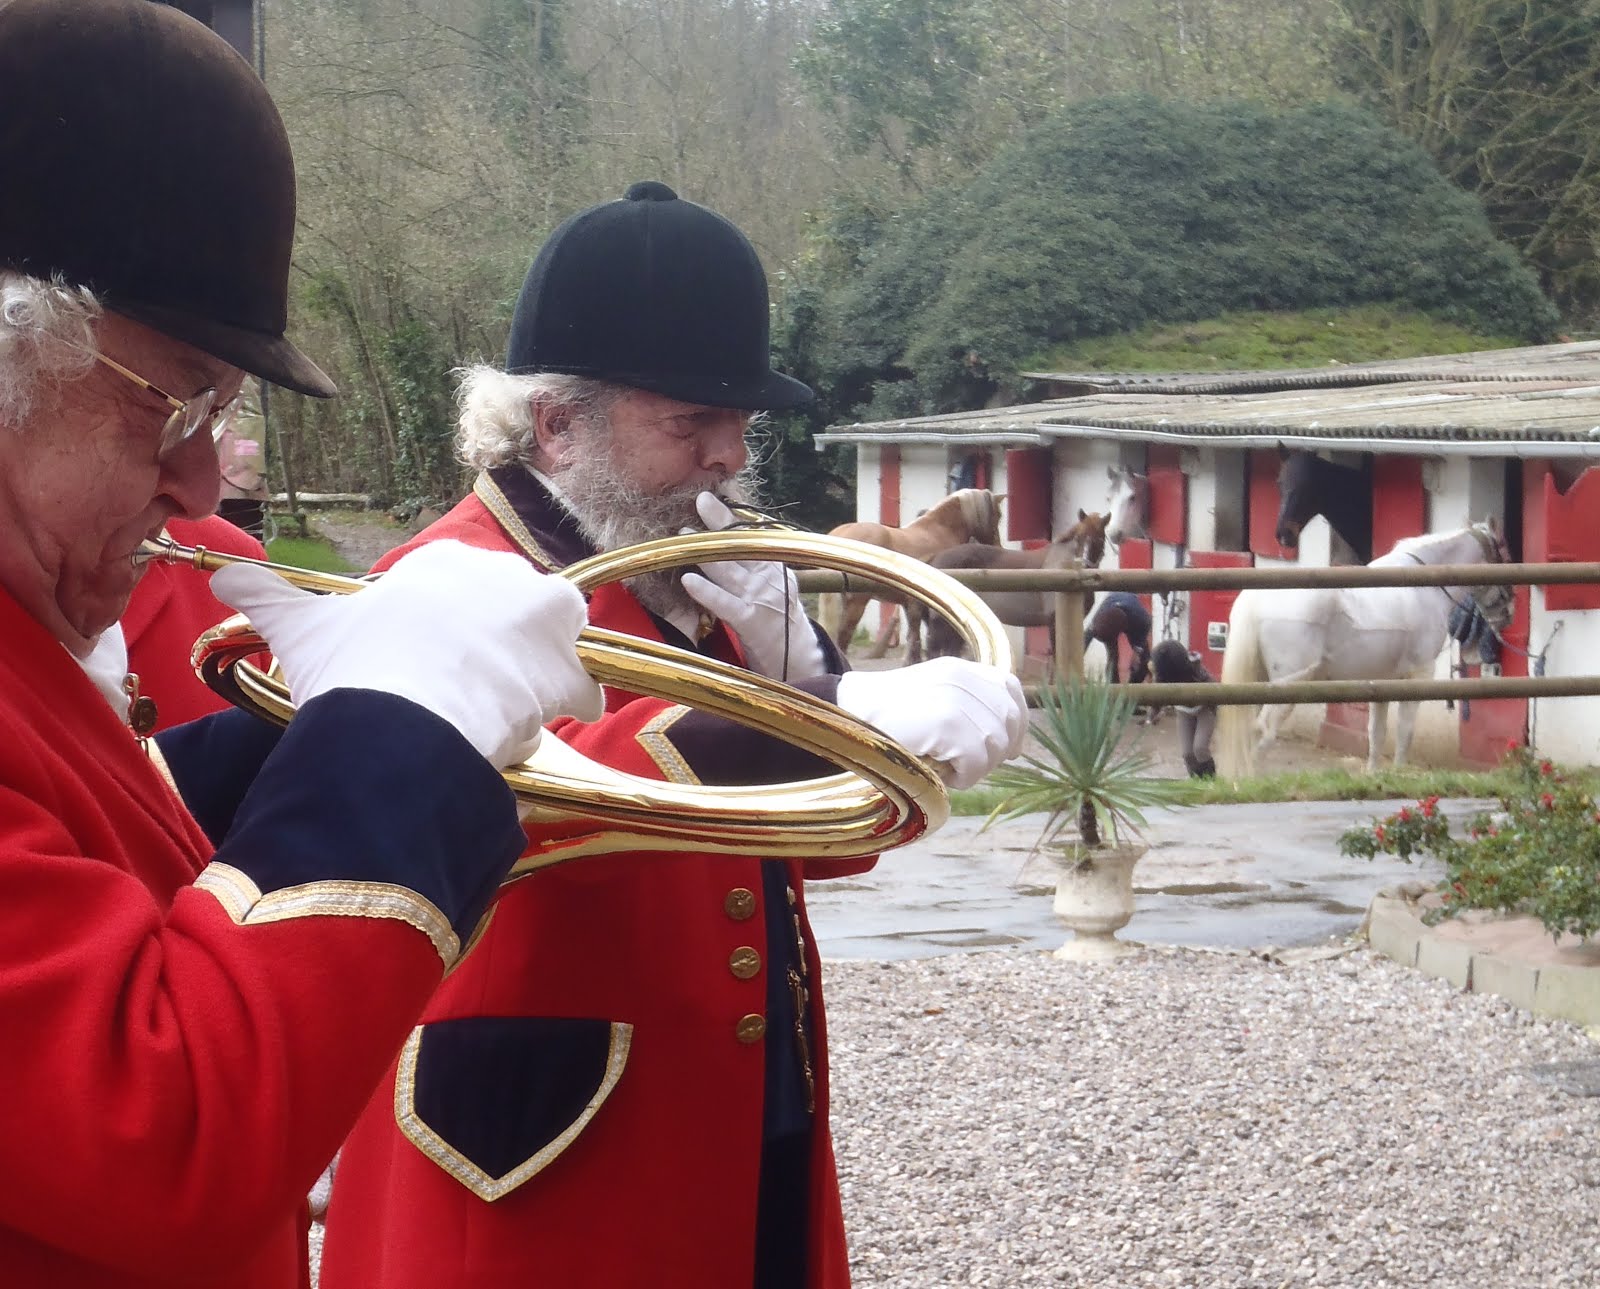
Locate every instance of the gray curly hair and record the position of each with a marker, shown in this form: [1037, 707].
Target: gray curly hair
[496, 411]
[46, 339]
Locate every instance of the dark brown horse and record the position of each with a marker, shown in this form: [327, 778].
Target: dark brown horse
[1308, 486]
[1084, 543]
[971, 515]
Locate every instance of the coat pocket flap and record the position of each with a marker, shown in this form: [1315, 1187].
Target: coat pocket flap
[494, 1099]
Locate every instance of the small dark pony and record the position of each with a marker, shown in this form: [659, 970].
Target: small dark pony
[1120, 615]
[1309, 486]
[1084, 542]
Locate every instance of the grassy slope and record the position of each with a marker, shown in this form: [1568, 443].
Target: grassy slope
[1253, 341]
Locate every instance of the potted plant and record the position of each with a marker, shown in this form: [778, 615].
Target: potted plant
[1089, 781]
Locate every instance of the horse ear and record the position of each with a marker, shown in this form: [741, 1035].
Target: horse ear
[1082, 514]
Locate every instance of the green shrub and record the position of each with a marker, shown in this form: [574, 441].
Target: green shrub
[1118, 212]
[1538, 854]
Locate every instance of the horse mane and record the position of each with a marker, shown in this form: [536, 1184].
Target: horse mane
[1424, 542]
[980, 514]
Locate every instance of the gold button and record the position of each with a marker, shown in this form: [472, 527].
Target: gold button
[744, 962]
[739, 904]
[751, 1028]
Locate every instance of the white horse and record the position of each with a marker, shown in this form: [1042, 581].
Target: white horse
[1351, 633]
[1128, 504]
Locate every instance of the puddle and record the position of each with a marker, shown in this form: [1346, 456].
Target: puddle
[1202, 888]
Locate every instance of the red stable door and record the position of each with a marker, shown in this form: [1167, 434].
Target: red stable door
[1207, 608]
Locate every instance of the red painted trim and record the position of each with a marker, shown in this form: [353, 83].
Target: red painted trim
[1028, 489]
[1263, 503]
[1212, 606]
[889, 486]
[1399, 501]
[1169, 497]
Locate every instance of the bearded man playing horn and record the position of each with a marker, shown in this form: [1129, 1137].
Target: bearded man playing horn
[198, 994]
[627, 1085]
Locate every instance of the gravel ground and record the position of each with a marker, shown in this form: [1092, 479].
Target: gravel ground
[1185, 1118]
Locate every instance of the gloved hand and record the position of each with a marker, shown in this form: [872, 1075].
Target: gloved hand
[477, 637]
[760, 602]
[966, 716]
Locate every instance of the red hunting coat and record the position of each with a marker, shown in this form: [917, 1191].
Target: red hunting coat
[189, 1035]
[171, 608]
[583, 1104]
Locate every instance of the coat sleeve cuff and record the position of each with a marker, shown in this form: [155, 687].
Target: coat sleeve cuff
[370, 806]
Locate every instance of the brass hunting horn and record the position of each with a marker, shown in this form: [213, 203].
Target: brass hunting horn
[579, 807]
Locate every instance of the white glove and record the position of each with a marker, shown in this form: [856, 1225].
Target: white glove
[477, 637]
[965, 716]
[759, 600]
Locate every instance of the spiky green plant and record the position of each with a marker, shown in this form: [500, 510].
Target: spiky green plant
[1089, 777]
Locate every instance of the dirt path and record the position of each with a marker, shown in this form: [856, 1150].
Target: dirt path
[361, 536]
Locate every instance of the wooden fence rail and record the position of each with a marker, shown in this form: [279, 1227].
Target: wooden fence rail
[1073, 587]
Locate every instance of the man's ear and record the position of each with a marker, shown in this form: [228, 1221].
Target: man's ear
[552, 426]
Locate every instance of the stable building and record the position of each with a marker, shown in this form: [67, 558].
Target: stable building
[1437, 443]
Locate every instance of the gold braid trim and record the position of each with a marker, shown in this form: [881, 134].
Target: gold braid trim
[436, 1148]
[244, 902]
[496, 503]
[653, 738]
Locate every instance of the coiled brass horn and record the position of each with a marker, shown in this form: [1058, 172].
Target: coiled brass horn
[578, 807]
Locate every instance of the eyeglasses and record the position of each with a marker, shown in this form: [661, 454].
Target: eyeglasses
[188, 415]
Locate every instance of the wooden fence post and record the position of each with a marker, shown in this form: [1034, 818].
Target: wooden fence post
[1069, 632]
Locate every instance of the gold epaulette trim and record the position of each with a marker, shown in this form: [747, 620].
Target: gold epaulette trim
[244, 902]
[436, 1148]
[653, 738]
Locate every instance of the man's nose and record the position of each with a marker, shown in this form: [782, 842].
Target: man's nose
[723, 446]
[191, 474]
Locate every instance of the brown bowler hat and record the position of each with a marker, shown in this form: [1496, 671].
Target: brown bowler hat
[143, 158]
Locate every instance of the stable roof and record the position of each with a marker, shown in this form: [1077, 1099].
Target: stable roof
[1541, 401]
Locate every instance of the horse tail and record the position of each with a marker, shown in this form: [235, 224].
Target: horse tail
[1242, 663]
[830, 614]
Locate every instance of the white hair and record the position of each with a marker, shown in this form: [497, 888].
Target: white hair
[497, 425]
[46, 339]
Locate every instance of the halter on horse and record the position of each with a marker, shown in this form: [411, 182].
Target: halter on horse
[1352, 633]
[1084, 542]
[970, 515]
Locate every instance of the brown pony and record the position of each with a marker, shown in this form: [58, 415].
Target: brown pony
[1084, 542]
[970, 515]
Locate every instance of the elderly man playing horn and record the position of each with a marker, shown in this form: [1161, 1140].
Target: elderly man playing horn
[628, 1086]
[196, 1002]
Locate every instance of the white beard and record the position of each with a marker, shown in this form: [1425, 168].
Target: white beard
[612, 513]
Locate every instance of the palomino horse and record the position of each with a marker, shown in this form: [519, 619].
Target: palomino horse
[1352, 633]
[1084, 542]
[970, 515]
[1342, 494]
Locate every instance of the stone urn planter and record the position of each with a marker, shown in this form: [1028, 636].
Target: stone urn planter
[1094, 897]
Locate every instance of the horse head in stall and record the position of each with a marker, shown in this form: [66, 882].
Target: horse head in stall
[1308, 486]
[1127, 505]
[970, 515]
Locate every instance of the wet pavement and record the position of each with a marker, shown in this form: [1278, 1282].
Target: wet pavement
[1240, 877]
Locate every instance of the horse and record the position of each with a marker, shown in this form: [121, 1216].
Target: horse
[1342, 494]
[1084, 543]
[1352, 633]
[1118, 616]
[969, 515]
[1127, 505]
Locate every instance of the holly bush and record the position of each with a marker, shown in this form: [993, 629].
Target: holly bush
[1538, 854]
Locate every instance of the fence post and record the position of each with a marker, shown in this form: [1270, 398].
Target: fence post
[1069, 632]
